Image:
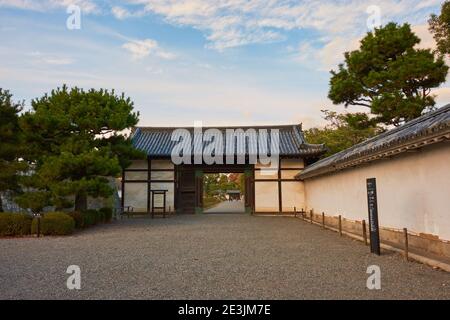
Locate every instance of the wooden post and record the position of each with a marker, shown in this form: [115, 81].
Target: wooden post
[153, 204]
[280, 194]
[303, 214]
[323, 220]
[405, 232]
[122, 192]
[364, 231]
[295, 212]
[340, 225]
[311, 216]
[149, 183]
[39, 225]
[164, 205]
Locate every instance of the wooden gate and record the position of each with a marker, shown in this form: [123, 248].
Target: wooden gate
[189, 185]
[185, 190]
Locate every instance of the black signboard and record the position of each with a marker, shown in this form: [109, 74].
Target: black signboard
[373, 216]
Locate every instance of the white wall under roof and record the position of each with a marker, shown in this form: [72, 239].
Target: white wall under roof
[413, 191]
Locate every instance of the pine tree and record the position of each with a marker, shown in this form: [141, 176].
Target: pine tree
[389, 75]
[440, 28]
[10, 143]
[77, 140]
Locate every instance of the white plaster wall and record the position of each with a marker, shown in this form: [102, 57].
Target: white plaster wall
[169, 195]
[292, 196]
[266, 196]
[136, 193]
[266, 193]
[413, 191]
[136, 196]
[136, 175]
[292, 192]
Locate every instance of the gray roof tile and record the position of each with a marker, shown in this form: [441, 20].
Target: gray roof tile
[156, 141]
[437, 121]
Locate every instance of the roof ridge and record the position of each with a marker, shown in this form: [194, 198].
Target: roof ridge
[408, 124]
[220, 127]
[155, 140]
[422, 124]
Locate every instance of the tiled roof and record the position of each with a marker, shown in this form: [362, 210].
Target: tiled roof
[156, 141]
[429, 128]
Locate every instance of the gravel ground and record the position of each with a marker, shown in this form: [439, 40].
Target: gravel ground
[228, 207]
[209, 257]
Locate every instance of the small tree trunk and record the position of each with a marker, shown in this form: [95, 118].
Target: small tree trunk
[1, 204]
[80, 202]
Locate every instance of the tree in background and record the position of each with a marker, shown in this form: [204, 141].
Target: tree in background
[389, 76]
[10, 144]
[76, 141]
[343, 131]
[440, 28]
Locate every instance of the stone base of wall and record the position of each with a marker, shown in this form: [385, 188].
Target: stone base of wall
[419, 243]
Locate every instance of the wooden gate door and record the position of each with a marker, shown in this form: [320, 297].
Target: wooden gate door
[199, 191]
[189, 186]
[186, 197]
[249, 189]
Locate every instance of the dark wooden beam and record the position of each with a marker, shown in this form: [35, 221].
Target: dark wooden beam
[149, 184]
[152, 181]
[122, 200]
[145, 170]
[276, 180]
[296, 169]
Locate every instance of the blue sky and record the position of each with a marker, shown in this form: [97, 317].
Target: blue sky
[220, 62]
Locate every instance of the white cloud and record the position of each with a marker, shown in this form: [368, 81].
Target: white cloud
[231, 23]
[21, 4]
[427, 40]
[326, 53]
[57, 61]
[442, 96]
[87, 6]
[120, 13]
[140, 49]
[324, 56]
[39, 58]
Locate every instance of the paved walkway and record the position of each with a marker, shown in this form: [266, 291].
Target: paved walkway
[209, 257]
[228, 207]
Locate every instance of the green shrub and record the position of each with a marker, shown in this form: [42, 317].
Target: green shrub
[78, 217]
[90, 217]
[107, 213]
[15, 224]
[100, 216]
[55, 223]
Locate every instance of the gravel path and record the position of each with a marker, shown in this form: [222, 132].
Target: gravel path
[206, 257]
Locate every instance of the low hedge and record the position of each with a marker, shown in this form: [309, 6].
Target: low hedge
[90, 217]
[54, 223]
[100, 216]
[15, 224]
[78, 217]
[107, 214]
